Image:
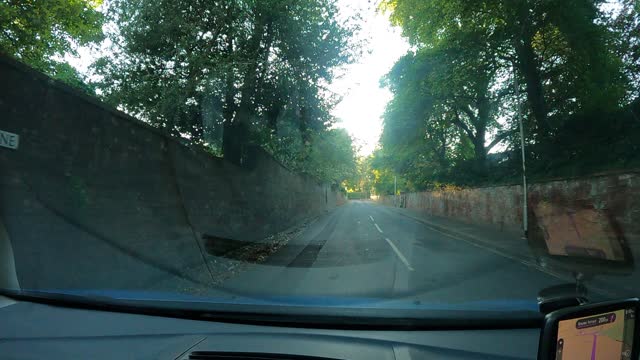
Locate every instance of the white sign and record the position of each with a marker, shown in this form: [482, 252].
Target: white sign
[9, 140]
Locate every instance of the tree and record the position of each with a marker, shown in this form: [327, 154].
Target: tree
[362, 179]
[236, 70]
[626, 27]
[443, 100]
[454, 92]
[331, 157]
[560, 49]
[40, 33]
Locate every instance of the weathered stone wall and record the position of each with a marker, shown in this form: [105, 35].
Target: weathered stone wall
[500, 206]
[617, 196]
[92, 189]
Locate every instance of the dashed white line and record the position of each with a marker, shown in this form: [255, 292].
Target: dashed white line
[402, 258]
[393, 246]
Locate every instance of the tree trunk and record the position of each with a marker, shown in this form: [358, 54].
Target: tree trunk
[529, 66]
[229, 106]
[484, 112]
[480, 151]
[237, 135]
[442, 149]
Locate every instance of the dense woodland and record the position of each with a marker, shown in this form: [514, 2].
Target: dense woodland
[228, 75]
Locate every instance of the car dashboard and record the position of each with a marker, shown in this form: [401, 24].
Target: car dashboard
[30, 330]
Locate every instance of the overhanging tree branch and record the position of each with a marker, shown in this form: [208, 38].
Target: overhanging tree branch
[472, 116]
[459, 123]
[499, 138]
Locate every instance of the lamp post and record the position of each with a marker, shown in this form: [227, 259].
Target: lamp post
[395, 191]
[525, 206]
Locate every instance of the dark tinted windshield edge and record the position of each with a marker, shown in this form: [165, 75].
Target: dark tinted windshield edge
[298, 317]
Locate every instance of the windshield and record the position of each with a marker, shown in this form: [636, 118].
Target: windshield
[430, 155]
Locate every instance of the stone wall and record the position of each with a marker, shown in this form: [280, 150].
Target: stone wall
[94, 190]
[615, 196]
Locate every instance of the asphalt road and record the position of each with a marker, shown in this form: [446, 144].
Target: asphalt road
[366, 250]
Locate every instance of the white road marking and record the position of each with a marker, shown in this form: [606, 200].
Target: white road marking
[371, 217]
[402, 258]
[401, 352]
[378, 227]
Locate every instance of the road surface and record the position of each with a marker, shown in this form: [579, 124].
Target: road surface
[366, 250]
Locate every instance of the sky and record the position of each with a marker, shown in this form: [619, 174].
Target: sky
[364, 101]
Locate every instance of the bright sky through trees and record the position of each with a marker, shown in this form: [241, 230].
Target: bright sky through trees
[360, 111]
[364, 101]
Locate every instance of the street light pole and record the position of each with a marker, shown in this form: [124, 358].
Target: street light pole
[395, 191]
[525, 206]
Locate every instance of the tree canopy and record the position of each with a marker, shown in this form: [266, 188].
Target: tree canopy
[230, 73]
[233, 75]
[227, 75]
[40, 33]
[453, 113]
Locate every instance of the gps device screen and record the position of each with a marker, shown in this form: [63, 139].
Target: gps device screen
[602, 336]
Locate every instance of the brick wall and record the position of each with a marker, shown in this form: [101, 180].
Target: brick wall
[616, 196]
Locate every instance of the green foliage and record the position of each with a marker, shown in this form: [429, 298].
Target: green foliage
[331, 157]
[454, 93]
[442, 111]
[362, 179]
[223, 75]
[358, 196]
[561, 48]
[626, 40]
[39, 33]
[383, 179]
[229, 73]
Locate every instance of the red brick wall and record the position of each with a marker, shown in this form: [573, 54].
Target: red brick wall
[617, 196]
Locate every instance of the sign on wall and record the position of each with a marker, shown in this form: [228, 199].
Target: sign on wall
[9, 140]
